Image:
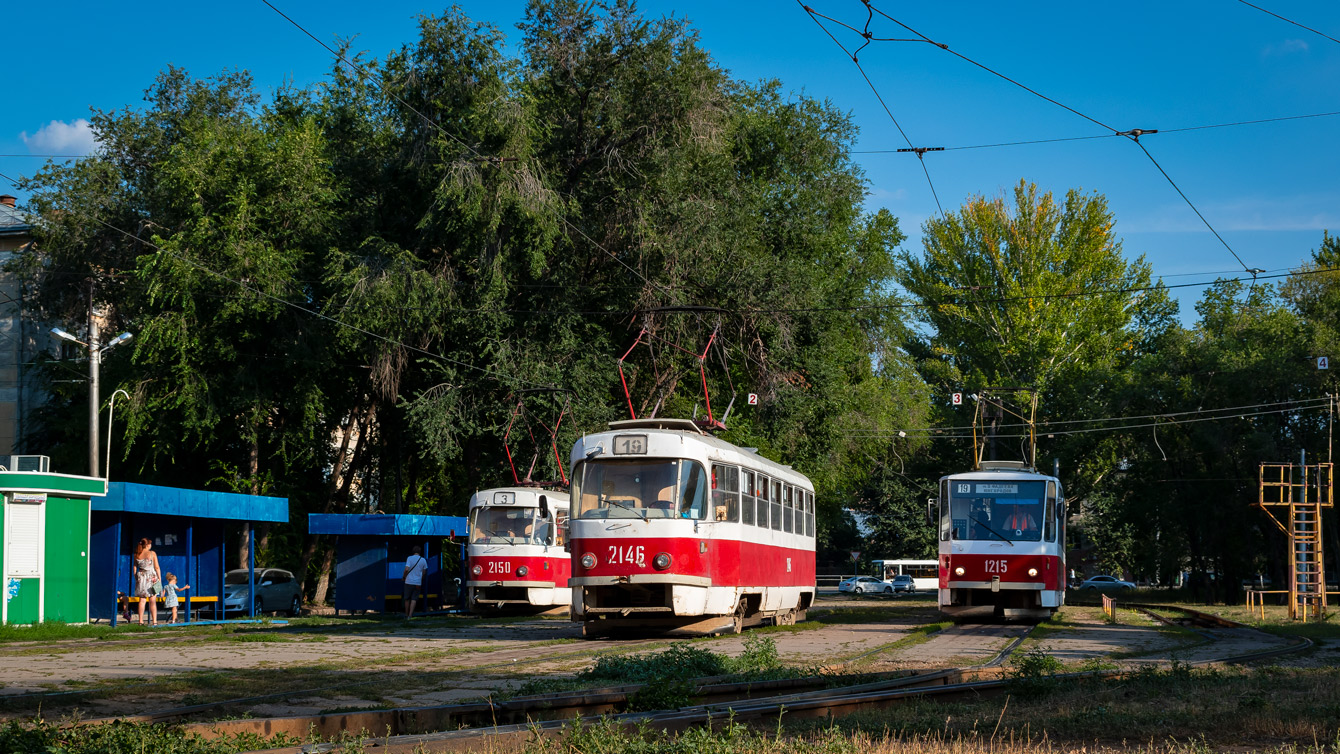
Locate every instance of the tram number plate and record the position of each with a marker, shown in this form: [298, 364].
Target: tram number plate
[996, 566]
[631, 555]
[627, 445]
[498, 566]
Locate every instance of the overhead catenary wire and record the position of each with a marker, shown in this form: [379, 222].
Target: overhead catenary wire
[920, 155]
[1290, 20]
[964, 433]
[1062, 139]
[1133, 134]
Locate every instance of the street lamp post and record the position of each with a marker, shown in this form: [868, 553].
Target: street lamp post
[95, 352]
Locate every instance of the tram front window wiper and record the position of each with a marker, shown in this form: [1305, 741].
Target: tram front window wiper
[509, 539]
[987, 526]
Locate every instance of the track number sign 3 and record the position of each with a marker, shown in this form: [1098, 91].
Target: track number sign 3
[627, 445]
[630, 555]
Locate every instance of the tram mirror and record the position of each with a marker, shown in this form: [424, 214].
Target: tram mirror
[930, 510]
[544, 506]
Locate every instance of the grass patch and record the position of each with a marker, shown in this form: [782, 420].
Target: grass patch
[41, 737]
[1262, 708]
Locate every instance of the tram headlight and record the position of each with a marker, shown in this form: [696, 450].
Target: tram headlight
[588, 561]
[1032, 573]
[477, 569]
[959, 571]
[522, 570]
[661, 561]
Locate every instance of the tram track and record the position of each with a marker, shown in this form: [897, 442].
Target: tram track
[826, 702]
[714, 695]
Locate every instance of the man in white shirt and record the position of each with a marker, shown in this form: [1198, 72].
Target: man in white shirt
[415, 566]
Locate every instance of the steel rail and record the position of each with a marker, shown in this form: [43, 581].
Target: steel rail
[833, 702]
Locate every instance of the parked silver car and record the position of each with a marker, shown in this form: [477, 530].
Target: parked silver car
[1105, 584]
[864, 584]
[276, 591]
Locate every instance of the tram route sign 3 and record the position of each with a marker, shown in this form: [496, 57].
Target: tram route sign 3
[958, 399]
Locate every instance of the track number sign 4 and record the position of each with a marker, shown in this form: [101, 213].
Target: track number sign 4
[627, 445]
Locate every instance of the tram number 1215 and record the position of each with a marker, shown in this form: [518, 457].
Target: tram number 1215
[996, 566]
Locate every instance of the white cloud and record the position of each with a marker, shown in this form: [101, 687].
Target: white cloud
[1287, 47]
[58, 137]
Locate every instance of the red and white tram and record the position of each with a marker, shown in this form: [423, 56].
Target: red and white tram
[516, 554]
[1002, 541]
[673, 529]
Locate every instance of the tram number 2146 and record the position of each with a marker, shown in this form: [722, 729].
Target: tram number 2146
[996, 566]
[632, 555]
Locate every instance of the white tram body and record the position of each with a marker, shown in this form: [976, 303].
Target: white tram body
[674, 529]
[1002, 541]
[516, 555]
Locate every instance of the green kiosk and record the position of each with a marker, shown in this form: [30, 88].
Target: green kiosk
[44, 550]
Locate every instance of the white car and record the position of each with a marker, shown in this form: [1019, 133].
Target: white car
[1105, 583]
[865, 584]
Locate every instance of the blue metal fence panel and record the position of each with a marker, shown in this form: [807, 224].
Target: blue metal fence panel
[360, 574]
[175, 501]
[377, 525]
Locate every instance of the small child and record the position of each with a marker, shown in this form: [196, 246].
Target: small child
[170, 590]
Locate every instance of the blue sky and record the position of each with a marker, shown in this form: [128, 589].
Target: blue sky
[1269, 189]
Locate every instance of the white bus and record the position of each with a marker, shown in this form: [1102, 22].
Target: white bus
[925, 573]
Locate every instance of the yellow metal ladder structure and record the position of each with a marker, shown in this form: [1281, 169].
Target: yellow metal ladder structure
[1304, 490]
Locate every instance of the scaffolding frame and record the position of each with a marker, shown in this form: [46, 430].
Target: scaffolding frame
[1304, 490]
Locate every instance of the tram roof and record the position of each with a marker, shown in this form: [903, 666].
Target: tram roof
[687, 426]
[524, 493]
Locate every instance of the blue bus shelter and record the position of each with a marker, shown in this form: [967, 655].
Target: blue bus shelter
[371, 550]
[187, 529]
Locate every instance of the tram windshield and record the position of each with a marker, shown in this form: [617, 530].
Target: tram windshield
[1011, 511]
[663, 488]
[499, 525]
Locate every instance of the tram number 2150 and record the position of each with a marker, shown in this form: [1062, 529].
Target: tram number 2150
[996, 566]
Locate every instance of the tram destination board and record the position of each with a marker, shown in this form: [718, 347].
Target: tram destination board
[628, 445]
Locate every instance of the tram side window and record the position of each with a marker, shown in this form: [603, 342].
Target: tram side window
[747, 507]
[776, 499]
[1049, 515]
[788, 509]
[561, 527]
[946, 521]
[763, 486]
[725, 493]
[809, 513]
[693, 484]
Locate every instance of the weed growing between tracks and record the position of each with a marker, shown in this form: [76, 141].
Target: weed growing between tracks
[1172, 709]
[669, 676]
